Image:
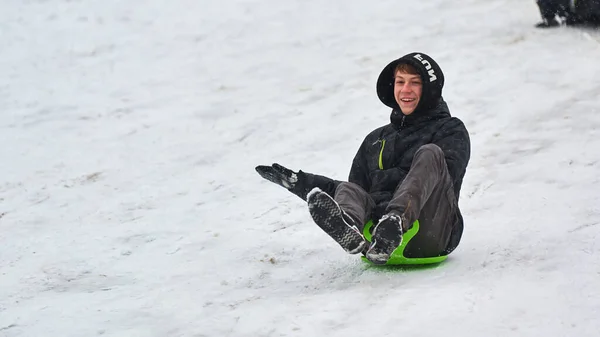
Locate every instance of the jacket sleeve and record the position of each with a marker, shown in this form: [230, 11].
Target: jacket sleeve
[453, 139]
[308, 181]
[359, 173]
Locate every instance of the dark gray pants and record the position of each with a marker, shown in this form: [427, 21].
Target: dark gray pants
[425, 194]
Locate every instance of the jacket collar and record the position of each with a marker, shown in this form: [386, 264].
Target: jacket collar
[439, 111]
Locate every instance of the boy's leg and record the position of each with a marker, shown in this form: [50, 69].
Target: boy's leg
[563, 8]
[355, 201]
[342, 218]
[548, 9]
[426, 194]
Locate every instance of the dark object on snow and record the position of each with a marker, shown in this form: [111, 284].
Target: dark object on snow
[584, 12]
[568, 12]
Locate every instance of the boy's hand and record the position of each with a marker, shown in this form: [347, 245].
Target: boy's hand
[279, 175]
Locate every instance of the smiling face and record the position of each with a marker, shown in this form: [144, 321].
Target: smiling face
[408, 88]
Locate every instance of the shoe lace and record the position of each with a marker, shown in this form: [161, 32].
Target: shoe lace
[391, 216]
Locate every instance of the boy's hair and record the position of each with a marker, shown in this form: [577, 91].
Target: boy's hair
[405, 68]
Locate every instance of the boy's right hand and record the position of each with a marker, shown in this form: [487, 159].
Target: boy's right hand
[279, 175]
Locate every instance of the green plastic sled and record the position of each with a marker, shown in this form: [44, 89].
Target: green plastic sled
[398, 257]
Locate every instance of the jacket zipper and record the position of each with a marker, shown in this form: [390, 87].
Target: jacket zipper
[383, 145]
[381, 154]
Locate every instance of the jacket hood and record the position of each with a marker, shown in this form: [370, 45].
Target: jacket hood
[431, 75]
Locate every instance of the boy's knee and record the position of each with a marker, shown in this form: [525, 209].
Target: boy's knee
[344, 185]
[347, 187]
[430, 149]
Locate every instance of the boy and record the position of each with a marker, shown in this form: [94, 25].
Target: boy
[409, 169]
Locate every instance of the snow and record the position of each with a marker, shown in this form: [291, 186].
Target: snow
[129, 203]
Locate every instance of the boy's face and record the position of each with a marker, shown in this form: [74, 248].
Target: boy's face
[407, 91]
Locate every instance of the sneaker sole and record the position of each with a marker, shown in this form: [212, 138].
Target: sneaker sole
[327, 214]
[386, 238]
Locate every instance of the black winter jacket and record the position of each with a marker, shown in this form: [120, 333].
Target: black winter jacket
[386, 154]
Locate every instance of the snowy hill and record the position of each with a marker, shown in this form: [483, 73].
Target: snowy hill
[129, 204]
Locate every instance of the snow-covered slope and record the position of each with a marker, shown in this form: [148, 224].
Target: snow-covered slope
[129, 204]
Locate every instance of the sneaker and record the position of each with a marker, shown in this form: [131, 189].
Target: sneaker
[387, 236]
[548, 23]
[328, 215]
